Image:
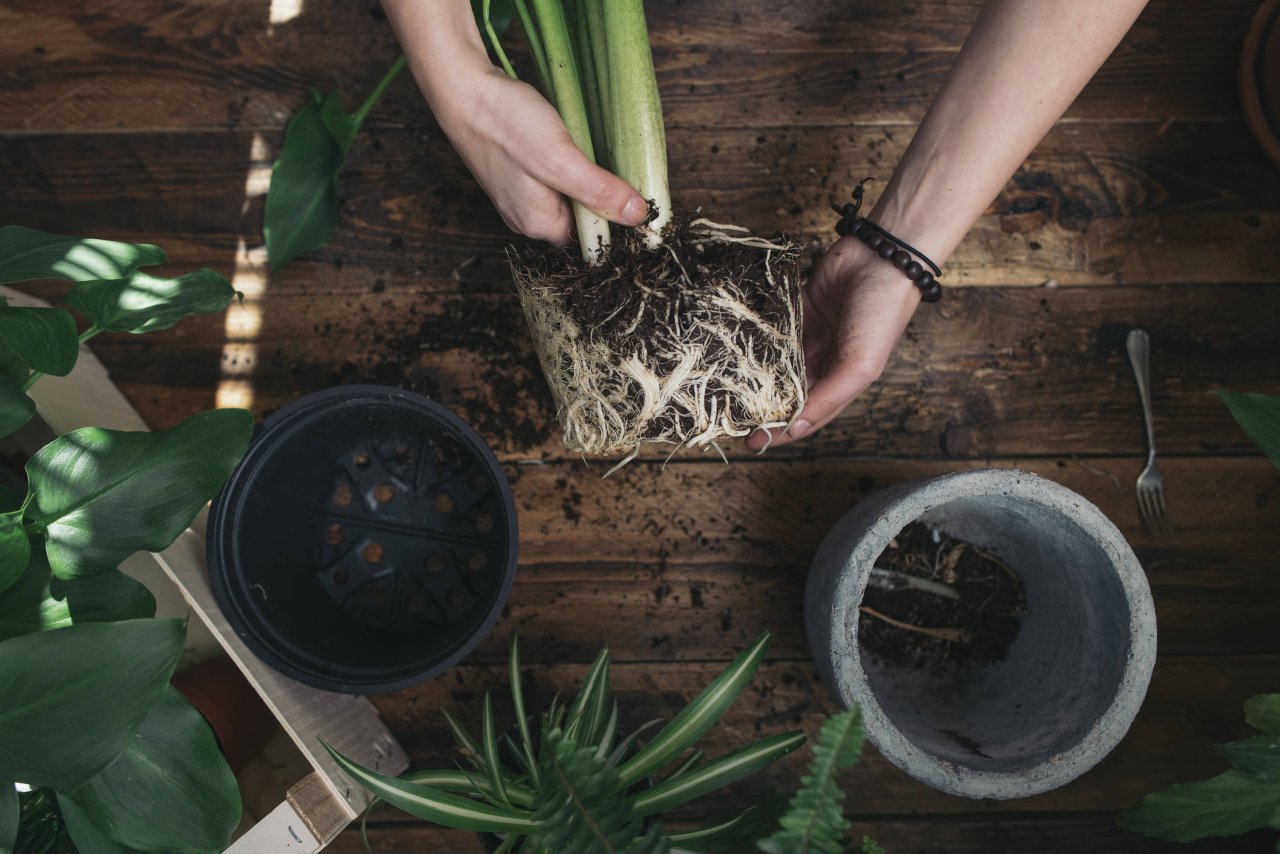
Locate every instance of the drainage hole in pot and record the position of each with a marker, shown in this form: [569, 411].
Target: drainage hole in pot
[372, 553]
[434, 564]
[939, 604]
[342, 495]
[336, 534]
[445, 503]
[360, 460]
[477, 561]
[384, 493]
[484, 523]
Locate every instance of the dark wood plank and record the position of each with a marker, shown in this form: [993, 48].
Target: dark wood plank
[693, 562]
[221, 63]
[1074, 833]
[1095, 204]
[988, 372]
[1193, 702]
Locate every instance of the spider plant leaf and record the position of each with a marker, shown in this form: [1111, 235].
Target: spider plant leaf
[609, 734]
[625, 745]
[690, 761]
[717, 773]
[491, 760]
[517, 700]
[468, 746]
[595, 677]
[702, 835]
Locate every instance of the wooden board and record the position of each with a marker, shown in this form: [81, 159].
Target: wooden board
[1193, 702]
[988, 372]
[222, 63]
[1094, 204]
[983, 833]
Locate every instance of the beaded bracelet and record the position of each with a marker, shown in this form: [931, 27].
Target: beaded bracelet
[892, 249]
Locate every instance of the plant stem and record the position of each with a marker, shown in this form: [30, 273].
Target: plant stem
[535, 44]
[493, 40]
[363, 112]
[636, 134]
[566, 90]
[593, 81]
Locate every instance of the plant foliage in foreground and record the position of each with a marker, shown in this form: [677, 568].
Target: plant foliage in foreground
[117, 760]
[575, 783]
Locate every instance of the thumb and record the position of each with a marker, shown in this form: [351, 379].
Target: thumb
[571, 173]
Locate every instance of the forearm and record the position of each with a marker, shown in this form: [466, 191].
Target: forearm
[1020, 68]
[443, 46]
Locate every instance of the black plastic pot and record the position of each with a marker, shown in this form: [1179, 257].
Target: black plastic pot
[366, 542]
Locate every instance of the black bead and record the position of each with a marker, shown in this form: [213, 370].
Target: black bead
[932, 293]
[842, 227]
[858, 229]
[887, 250]
[874, 239]
[924, 279]
[913, 269]
[901, 258]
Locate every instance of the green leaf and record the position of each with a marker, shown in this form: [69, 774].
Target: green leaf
[491, 761]
[705, 835]
[1263, 713]
[39, 602]
[582, 806]
[101, 495]
[88, 837]
[697, 717]
[1259, 416]
[74, 697]
[814, 820]
[42, 829]
[436, 805]
[174, 767]
[340, 124]
[9, 810]
[1258, 755]
[15, 549]
[45, 339]
[26, 253]
[1228, 805]
[517, 699]
[16, 408]
[595, 690]
[302, 202]
[870, 846]
[716, 774]
[145, 303]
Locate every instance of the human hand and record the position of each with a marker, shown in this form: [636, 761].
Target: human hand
[855, 308]
[517, 147]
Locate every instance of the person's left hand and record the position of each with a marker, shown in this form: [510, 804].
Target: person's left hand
[855, 309]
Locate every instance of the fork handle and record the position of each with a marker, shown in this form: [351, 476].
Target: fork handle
[1139, 346]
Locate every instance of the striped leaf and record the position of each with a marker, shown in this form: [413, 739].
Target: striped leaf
[714, 775]
[697, 717]
[436, 805]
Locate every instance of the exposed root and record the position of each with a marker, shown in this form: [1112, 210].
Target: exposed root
[686, 345]
[941, 633]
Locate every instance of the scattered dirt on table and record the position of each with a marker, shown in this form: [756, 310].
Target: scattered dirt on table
[920, 629]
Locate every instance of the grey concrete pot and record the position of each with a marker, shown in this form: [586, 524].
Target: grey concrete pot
[1075, 676]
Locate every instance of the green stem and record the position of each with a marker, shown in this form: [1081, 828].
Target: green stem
[535, 45]
[593, 229]
[31, 380]
[636, 134]
[363, 112]
[497, 45]
[82, 338]
[591, 80]
[593, 19]
[89, 333]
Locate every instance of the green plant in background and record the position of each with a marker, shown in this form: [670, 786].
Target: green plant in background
[302, 210]
[1248, 796]
[114, 759]
[1259, 417]
[580, 785]
[1245, 798]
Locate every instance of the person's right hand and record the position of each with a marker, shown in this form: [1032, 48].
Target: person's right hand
[517, 147]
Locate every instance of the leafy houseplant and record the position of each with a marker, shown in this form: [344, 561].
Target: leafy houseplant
[577, 784]
[684, 331]
[111, 758]
[1247, 797]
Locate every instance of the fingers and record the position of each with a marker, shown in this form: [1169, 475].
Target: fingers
[836, 389]
[568, 171]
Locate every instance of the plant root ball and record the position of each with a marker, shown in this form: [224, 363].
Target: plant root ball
[686, 344]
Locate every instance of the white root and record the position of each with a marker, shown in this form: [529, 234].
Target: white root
[694, 381]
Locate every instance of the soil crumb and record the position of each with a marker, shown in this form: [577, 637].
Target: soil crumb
[923, 629]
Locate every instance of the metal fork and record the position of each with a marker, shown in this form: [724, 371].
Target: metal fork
[1150, 481]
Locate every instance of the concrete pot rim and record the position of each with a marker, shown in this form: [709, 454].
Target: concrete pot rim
[905, 503]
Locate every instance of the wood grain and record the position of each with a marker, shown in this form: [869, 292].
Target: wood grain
[1192, 703]
[115, 64]
[981, 833]
[987, 372]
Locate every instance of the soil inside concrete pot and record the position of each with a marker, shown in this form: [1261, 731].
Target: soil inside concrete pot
[902, 626]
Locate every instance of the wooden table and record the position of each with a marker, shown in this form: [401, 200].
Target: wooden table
[1148, 205]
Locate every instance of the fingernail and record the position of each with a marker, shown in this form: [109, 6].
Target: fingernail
[635, 211]
[800, 428]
